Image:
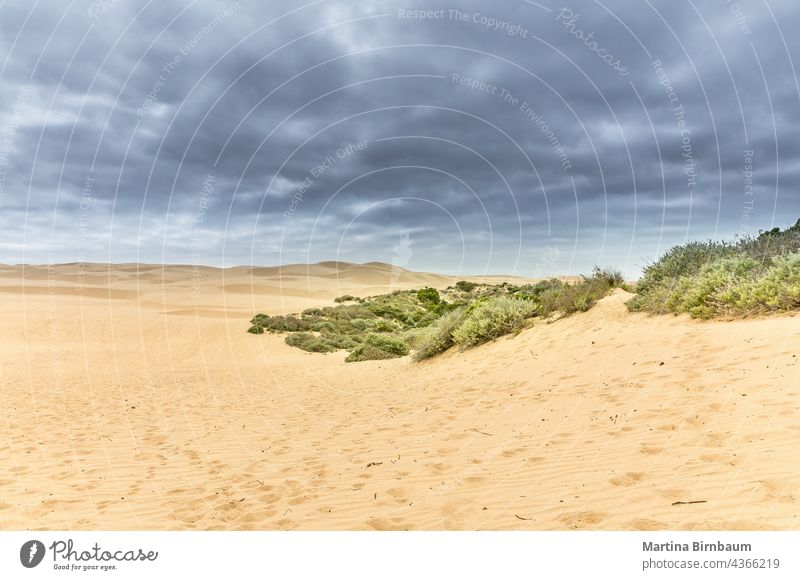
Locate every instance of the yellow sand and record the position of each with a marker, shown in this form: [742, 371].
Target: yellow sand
[129, 403]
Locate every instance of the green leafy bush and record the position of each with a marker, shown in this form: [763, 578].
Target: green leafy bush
[685, 260]
[308, 342]
[341, 341]
[378, 347]
[465, 286]
[346, 298]
[438, 337]
[556, 296]
[280, 323]
[706, 279]
[700, 295]
[491, 319]
[428, 296]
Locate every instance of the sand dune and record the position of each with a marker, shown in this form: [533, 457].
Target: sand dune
[133, 398]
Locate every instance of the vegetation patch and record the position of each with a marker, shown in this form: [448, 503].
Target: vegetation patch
[377, 347]
[707, 279]
[429, 321]
[492, 318]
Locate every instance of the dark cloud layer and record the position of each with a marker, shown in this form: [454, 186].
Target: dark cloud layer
[528, 137]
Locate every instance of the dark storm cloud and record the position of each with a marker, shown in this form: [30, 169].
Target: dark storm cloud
[542, 137]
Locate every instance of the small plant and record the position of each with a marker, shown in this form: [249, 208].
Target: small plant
[465, 286]
[280, 323]
[439, 337]
[308, 342]
[428, 296]
[493, 318]
[378, 347]
[346, 298]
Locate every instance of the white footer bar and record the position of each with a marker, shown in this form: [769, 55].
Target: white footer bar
[373, 555]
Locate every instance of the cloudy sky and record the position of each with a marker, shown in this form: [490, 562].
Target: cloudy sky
[464, 137]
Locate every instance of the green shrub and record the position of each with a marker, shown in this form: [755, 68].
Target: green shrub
[777, 289]
[780, 287]
[555, 296]
[341, 341]
[360, 324]
[367, 352]
[345, 298]
[280, 323]
[681, 261]
[706, 279]
[465, 286]
[384, 326]
[699, 295]
[378, 347]
[428, 296]
[438, 337]
[323, 327]
[389, 344]
[491, 319]
[309, 342]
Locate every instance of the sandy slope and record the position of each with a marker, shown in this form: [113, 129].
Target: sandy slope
[136, 405]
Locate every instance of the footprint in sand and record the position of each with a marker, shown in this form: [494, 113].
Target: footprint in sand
[580, 520]
[384, 524]
[627, 480]
[647, 450]
[647, 525]
[674, 493]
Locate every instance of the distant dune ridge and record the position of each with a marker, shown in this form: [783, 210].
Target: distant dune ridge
[133, 398]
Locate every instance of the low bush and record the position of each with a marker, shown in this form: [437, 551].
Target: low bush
[491, 319]
[555, 296]
[465, 286]
[699, 295]
[345, 298]
[341, 341]
[378, 347]
[707, 279]
[428, 296]
[308, 342]
[438, 337]
[777, 289]
[280, 323]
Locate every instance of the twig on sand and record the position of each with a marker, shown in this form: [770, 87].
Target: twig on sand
[688, 502]
[374, 463]
[521, 518]
[479, 431]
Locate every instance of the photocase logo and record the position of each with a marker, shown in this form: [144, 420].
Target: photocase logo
[31, 553]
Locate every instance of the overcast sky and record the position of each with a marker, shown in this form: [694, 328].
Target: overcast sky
[465, 137]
